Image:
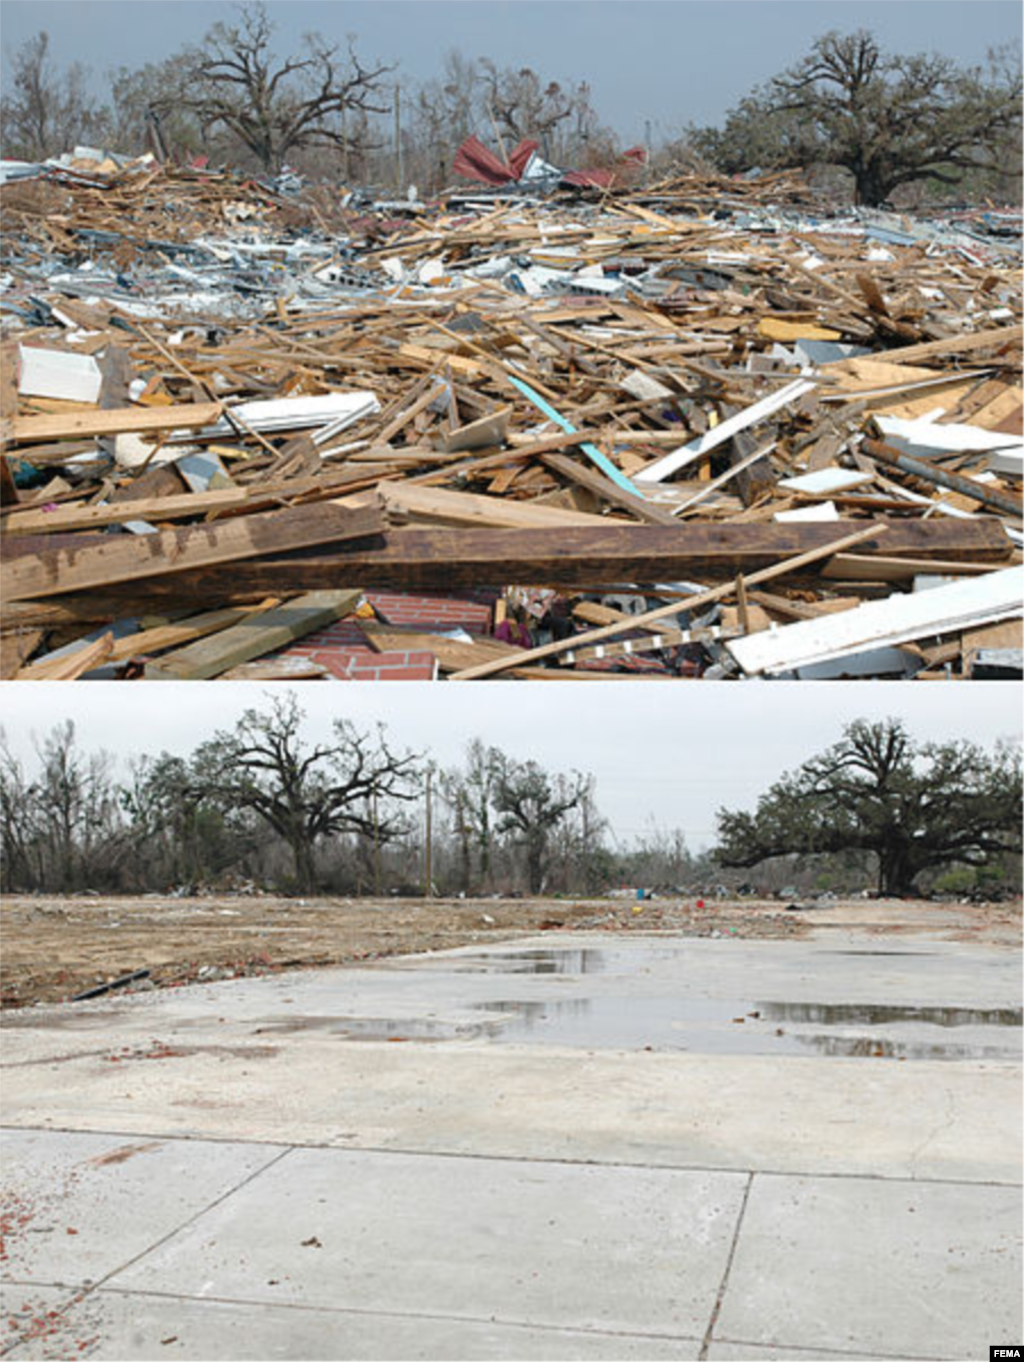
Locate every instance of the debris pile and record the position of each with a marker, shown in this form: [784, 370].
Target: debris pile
[693, 429]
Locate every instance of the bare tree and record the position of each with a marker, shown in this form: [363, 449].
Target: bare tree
[46, 110]
[77, 815]
[304, 793]
[587, 863]
[148, 109]
[273, 106]
[444, 112]
[469, 793]
[15, 820]
[532, 806]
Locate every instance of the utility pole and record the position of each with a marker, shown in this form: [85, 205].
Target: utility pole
[398, 139]
[428, 888]
[376, 848]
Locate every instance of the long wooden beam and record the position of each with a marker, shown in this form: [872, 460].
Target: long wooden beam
[102, 561]
[116, 421]
[447, 559]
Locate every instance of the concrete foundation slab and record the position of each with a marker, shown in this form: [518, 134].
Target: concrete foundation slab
[152, 1328]
[257, 1169]
[80, 1206]
[625, 1249]
[879, 1268]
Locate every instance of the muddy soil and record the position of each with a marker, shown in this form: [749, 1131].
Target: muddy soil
[54, 948]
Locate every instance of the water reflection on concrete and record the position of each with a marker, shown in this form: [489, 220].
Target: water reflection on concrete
[653, 996]
[734, 1026]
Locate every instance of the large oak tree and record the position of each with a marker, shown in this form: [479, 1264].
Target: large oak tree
[916, 808]
[889, 120]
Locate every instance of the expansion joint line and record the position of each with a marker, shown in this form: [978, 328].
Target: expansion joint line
[717, 1307]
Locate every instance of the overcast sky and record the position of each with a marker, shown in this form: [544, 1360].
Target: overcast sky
[670, 752]
[669, 61]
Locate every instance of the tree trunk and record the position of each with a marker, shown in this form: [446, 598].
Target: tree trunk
[535, 864]
[465, 863]
[305, 868]
[872, 188]
[895, 872]
[484, 850]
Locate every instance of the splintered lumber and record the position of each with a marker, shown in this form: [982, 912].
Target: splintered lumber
[878, 624]
[129, 558]
[699, 598]
[15, 647]
[119, 421]
[253, 637]
[862, 567]
[998, 336]
[607, 490]
[69, 666]
[63, 519]
[629, 391]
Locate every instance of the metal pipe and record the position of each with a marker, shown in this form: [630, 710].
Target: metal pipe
[953, 481]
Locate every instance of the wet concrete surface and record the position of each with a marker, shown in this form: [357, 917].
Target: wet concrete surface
[571, 1148]
[643, 996]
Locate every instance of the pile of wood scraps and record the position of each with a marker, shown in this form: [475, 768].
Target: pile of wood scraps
[623, 439]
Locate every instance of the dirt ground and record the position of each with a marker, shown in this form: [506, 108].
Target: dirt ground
[54, 948]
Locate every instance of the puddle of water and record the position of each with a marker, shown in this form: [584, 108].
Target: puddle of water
[915, 955]
[729, 1026]
[588, 960]
[84, 1020]
[382, 1028]
[874, 1014]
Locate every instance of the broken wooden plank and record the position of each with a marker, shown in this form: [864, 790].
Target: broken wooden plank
[61, 519]
[998, 336]
[69, 666]
[433, 505]
[165, 636]
[119, 421]
[447, 559]
[607, 490]
[16, 647]
[127, 558]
